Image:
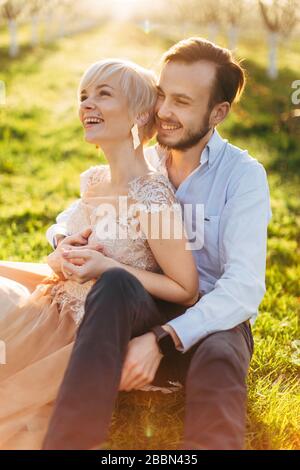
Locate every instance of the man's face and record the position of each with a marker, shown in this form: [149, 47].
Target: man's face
[182, 108]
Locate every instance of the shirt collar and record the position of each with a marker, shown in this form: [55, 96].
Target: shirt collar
[212, 148]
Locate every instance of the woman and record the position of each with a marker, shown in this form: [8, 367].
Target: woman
[116, 109]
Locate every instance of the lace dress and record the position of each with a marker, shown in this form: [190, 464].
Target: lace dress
[39, 335]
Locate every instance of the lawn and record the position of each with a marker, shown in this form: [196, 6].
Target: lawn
[42, 153]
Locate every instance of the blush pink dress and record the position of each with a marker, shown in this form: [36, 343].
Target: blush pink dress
[38, 332]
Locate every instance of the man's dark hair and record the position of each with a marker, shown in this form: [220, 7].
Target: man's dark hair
[230, 76]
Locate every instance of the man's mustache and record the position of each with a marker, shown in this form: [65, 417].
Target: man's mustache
[164, 121]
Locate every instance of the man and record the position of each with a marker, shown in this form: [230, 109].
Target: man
[209, 346]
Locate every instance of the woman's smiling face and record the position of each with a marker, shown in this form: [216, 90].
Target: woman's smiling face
[104, 112]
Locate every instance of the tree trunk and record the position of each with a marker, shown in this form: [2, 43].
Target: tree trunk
[184, 28]
[273, 43]
[212, 32]
[2, 93]
[49, 28]
[13, 38]
[34, 30]
[233, 37]
[61, 27]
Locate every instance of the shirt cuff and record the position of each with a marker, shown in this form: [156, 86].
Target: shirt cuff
[55, 230]
[185, 327]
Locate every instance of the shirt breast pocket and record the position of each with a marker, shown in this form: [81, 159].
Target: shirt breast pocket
[210, 252]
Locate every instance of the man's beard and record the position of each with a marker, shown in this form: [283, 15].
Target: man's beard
[190, 140]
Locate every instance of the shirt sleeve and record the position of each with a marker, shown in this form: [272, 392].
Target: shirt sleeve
[60, 227]
[151, 156]
[242, 250]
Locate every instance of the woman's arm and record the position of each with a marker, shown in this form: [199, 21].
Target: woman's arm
[182, 288]
[179, 281]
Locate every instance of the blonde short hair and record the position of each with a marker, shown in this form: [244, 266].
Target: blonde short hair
[137, 83]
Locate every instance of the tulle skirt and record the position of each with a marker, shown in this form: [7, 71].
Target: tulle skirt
[37, 337]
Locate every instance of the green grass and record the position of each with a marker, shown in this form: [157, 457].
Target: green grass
[42, 153]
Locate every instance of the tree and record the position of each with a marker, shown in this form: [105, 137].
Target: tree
[234, 10]
[211, 14]
[280, 18]
[10, 10]
[33, 9]
[185, 13]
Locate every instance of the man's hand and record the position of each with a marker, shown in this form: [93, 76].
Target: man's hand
[78, 239]
[141, 362]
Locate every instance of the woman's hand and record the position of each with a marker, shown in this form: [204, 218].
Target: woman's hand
[80, 239]
[94, 264]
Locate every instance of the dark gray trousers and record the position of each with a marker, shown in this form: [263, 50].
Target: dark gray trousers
[213, 371]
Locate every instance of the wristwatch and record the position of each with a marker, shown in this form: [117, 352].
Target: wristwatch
[164, 340]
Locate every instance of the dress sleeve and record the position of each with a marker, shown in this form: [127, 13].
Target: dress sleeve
[154, 193]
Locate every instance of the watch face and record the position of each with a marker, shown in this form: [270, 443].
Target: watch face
[167, 345]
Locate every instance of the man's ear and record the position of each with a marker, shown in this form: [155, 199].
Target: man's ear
[219, 113]
[142, 119]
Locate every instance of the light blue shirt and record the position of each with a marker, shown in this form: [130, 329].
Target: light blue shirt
[233, 188]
